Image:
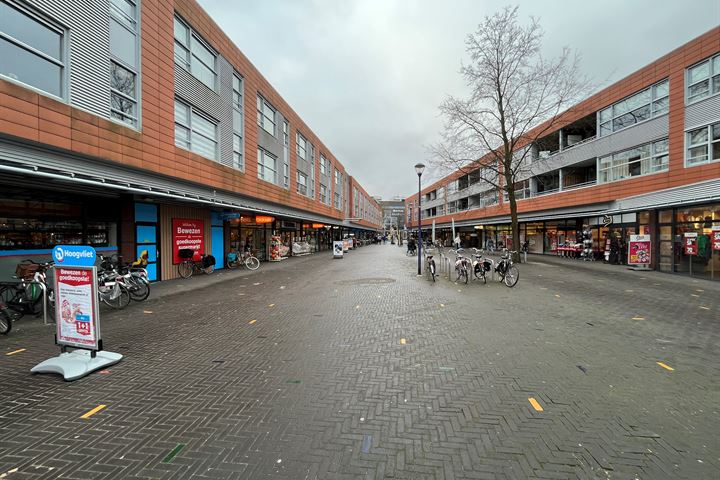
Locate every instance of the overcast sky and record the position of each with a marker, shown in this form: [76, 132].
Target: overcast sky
[368, 75]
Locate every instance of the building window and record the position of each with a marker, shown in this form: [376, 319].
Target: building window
[31, 50]
[703, 79]
[643, 160]
[703, 145]
[123, 63]
[323, 164]
[238, 123]
[338, 201]
[286, 154]
[123, 103]
[301, 146]
[641, 106]
[193, 54]
[266, 116]
[323, 194]
[194, 131]
[301, 183]
[238, 161]
[267, 166]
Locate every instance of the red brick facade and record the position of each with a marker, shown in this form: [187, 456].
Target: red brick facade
[31, 116]
[672, 66]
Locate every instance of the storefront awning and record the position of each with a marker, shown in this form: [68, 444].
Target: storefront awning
[19, 158]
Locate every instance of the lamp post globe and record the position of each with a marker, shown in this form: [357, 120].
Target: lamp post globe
[419, 169]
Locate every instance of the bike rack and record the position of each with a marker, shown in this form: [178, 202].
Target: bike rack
[43, 288]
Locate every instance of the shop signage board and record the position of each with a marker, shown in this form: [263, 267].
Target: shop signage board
[77, 307]
[260, 219]
[229, 216]
[691, 247]
[77, 315]
[346, 245]
[639, 252]
[338, 249]
[716, 238]
[74, 255]
[188, 233]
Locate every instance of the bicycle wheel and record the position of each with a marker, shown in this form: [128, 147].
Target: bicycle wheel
[466, 275]
[252, 262]
[139, 288]
[116, 297]
[209, 270]
[5, 320]
[233, 264]
[512, 276]
[185, 269]
[432, 270]
[14, 299]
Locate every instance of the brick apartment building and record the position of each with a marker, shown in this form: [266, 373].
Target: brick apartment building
[122, 119]
[641, 157]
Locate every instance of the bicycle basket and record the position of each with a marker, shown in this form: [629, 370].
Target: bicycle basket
[26, 270]
[207, 261]
[186, 253]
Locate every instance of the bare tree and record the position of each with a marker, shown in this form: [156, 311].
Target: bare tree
[516, 97]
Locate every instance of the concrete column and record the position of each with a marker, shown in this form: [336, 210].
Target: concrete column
[561, 138]
[560, 172]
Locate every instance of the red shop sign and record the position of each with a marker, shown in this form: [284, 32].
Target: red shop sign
[188, 233]
[691, 243]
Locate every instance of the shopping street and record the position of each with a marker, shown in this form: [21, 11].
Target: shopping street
[356, 368]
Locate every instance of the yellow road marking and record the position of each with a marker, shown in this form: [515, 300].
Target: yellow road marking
[403, 341]
[252, 321]
[666, 367]
[93, 411]
[15, 351]
[558, 296]
[271, 305]
[357, 307]
[694, 295]
[442, 305]
[638, 318]
[535, 404]
[699, 290]
[704, 308]
[147, 311]
[629, 291]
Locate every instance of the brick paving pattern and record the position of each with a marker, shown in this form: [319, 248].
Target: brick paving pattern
[358, 369]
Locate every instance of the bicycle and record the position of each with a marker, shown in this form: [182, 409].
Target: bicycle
[188, 266]
[6, 319]
[250, 261]
[134, 275]
[506, 269]
[25, 297]
[430, 263]
[462, 266]
[112, 290]
[481, 265]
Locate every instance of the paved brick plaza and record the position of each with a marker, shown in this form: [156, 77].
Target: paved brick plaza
[356, 368]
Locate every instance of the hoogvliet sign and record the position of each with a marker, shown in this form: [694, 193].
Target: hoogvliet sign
[188, 233]
[76, 315]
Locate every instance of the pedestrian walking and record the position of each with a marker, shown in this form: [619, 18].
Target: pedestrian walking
[457, 241]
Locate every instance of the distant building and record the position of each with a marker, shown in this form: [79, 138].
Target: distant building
[393, 212]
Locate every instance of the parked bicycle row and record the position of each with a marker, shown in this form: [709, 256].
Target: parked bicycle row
[118, 284]
[477, 266]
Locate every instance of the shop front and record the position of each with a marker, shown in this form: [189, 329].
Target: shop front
[250, 233]
[33, 221]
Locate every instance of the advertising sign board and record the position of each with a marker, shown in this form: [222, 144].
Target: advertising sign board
[188, 233]
[691, 247]
[716, 238]
[639, 250]
[338, 249]
[76, 307]
[346, 245]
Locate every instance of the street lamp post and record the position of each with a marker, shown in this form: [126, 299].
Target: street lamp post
[419, 168]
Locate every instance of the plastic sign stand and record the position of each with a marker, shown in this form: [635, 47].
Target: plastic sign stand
[338, 249]
[77, 364]
[77, 316]
[639, 252]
